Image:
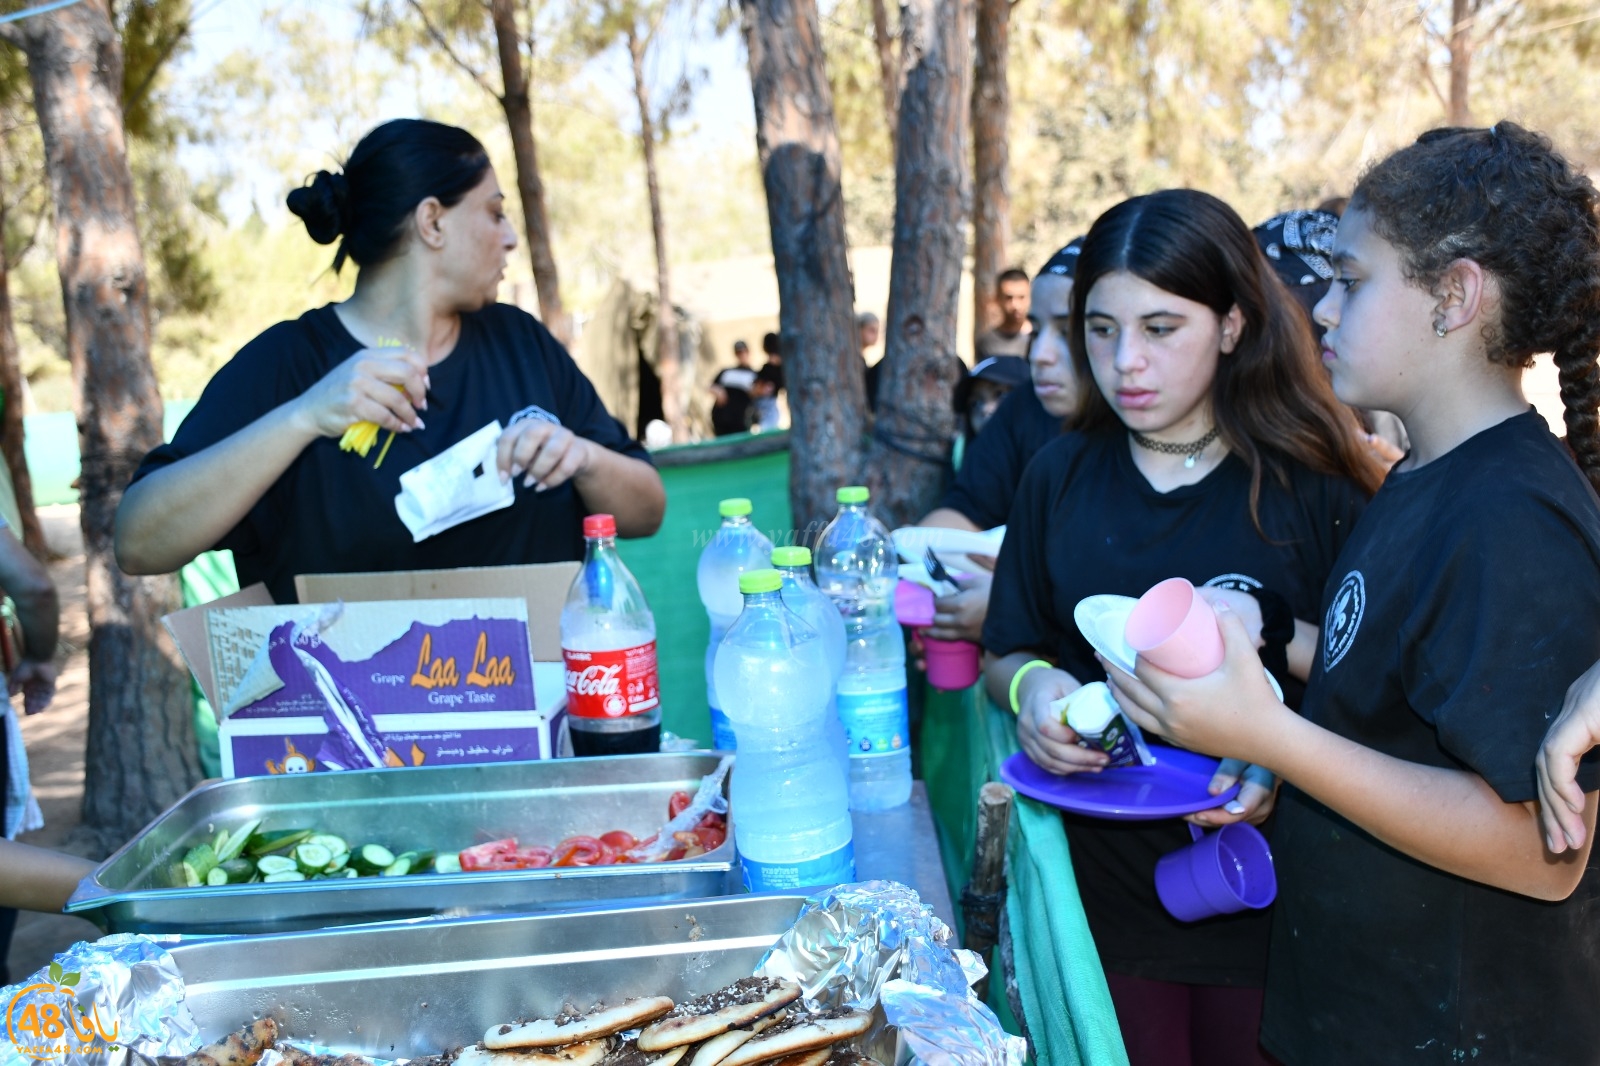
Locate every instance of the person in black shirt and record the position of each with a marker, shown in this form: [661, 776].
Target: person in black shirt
[769, 383]
[1421, 916]
[257, 466]
[1208, 446]
[732, 394]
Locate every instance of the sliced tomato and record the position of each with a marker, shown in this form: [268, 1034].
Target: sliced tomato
[678, 803]
[494, 855]
[675, 854]
[579, 851]
[533, 857]
[711, 836]
[619, 839]
[713, 820]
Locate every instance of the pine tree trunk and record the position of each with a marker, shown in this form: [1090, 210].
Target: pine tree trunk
[888, 67]
[667, 361]
[1461, 19]
[141, 750]
[530, 186]
[798, 144]
[11, 424]
[915, 422]
[991, 170]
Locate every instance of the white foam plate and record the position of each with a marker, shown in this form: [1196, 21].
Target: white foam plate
[1103, 621]
[951, 545]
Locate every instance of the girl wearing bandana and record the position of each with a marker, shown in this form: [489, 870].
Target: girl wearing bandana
[1422, 916]
[1207, 444]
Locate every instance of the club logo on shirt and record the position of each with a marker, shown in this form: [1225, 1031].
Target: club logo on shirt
[1237, 582]
[1344, 618]
[533, 411]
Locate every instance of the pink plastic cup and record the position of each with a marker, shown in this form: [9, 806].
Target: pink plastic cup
[952, 664]
[1176, 629]
[913, 604]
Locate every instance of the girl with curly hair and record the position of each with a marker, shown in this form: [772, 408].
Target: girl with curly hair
[1421, 916]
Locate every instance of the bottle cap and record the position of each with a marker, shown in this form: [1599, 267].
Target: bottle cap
[600, 525]
[736, 506]
[752, 581]
[791, 555]
[853, 494]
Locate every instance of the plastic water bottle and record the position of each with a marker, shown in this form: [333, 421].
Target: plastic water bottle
[801, 595]
[791, 810]
[855, 566]
[608, 641]
[736, 548]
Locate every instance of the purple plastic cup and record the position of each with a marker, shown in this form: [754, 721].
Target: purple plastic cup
[1174, 627]
[952, 664]
[913, 604]
[1223, 872]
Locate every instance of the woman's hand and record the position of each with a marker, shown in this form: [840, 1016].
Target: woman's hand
[1246, 606]
[1230, 713]
[1039, 729]
[960, 615]
[1258, 793]
[1561, 800]
[545, 454]
[384, 386]
[36, 680]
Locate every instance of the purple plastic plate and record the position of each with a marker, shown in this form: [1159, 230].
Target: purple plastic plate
[1174, 785]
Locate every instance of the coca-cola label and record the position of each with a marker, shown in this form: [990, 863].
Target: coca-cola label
[611, 684]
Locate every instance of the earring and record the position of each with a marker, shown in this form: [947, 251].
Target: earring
[1439, 330]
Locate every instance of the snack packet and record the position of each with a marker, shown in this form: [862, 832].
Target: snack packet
[1094, 715]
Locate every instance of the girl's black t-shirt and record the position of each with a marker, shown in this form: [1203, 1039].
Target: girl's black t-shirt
[1086, 523]
[993, 462]
[1457, 615]
[333, 511]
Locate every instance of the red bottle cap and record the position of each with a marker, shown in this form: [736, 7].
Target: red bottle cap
[600, 525]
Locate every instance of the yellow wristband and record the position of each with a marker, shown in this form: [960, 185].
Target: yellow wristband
[1016, 679]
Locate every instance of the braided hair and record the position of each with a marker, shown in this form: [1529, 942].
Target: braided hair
[1504, 198]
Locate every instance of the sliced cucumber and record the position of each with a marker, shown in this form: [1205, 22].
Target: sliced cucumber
[277, 840]
[399, 868]
[333, 843]
[447, 864]
[418, 862]
[340, 861]
[312, 858]
[287, 875]
[217, 876]
[272, 865]
[371, 858]
[233, 847]
[198, 864]
[238, 871]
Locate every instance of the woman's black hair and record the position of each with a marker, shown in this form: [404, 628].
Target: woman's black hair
[1504, 198]
[393, 169]
[1270, 399]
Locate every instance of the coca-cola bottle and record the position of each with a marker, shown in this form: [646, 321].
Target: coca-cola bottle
[608, 641]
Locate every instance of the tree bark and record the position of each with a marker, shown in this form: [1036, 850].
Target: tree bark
[1462, 16]
[888, 68]
[667, 361]
[915, 422]
[798, 144]
[515, 102]
[12, 432]
[141, 749]
[991, 159]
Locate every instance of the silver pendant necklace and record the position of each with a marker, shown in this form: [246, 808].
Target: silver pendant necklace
[1190, 452]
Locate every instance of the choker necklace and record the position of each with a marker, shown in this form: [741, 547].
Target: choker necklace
[1190, 451]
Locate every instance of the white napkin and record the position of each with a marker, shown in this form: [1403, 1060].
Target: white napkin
[455, 486]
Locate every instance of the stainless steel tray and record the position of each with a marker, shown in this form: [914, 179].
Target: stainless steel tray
[444, 808]
[417, 988]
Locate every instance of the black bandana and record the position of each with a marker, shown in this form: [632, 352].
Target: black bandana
[1299, 245]
[1064, 262]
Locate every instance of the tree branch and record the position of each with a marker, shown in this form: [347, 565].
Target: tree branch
[440, 40]
[1427, 76]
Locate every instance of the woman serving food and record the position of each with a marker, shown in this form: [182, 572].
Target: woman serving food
[423, 354]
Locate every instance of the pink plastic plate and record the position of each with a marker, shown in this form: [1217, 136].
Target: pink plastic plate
[1174, 785]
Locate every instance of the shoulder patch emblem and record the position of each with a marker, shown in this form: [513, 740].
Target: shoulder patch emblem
[1344, 619]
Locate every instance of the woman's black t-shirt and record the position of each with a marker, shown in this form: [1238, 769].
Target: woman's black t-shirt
[1457, 615]
[992, 465]
[1085, 523]
[333, 512]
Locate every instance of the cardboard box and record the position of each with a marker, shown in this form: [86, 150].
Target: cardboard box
[475, 678]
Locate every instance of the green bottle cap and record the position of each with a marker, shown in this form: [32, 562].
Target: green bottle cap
[736, 506]
[853, 494]
[791, 555]
[760, 581]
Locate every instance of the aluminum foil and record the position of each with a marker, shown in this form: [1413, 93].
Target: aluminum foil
[115, 1002]
[876, 942]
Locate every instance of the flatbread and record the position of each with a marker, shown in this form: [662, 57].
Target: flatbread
[568, 1028]
[843, 1056]
[714, 1013]
[584, 1053]
[801, 1032]
[627, 1053]
[806, 1058]
[719, 1047]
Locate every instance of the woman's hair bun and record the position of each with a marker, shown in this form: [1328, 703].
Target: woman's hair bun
[324, 206]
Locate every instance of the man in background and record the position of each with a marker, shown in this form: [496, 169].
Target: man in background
[769, 382]
[731, 394]
[867, 332]
[1012, 335]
